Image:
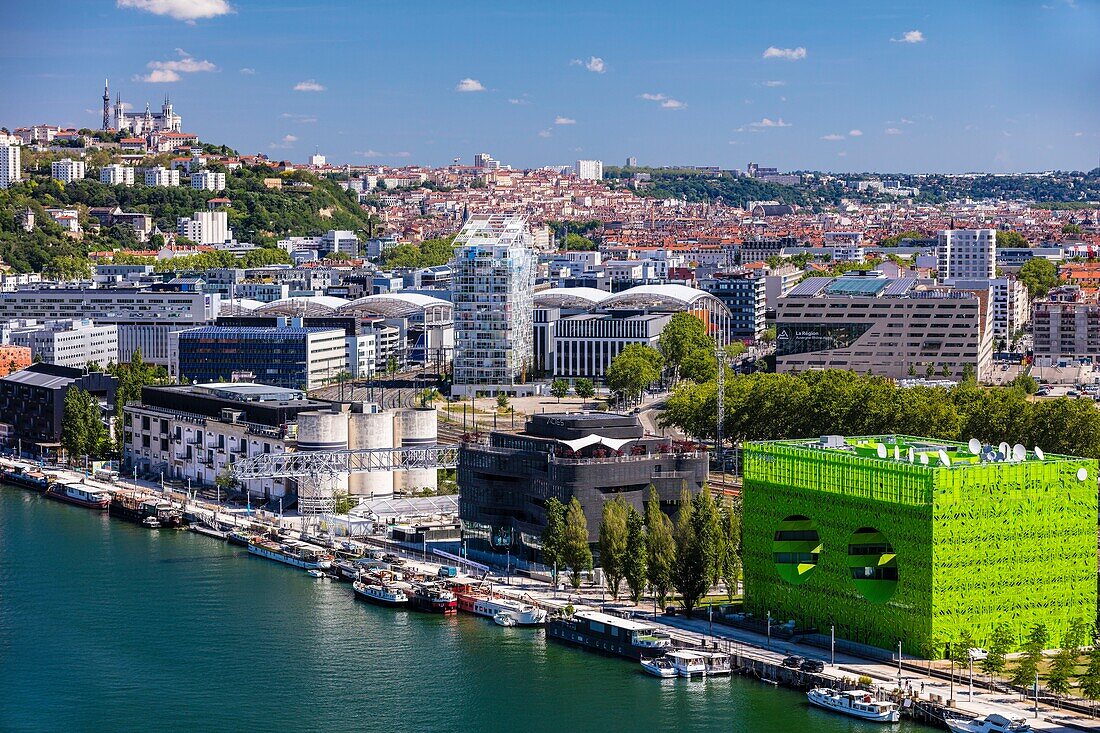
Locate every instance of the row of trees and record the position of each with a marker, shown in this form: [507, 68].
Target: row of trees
[688, 555]
[774, 406]
[1061, 671]
[583, 388]
[429, 253]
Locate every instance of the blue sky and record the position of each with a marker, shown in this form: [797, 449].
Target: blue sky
[842, 85]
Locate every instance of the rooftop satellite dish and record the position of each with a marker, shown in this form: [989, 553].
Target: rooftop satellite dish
[975, 446]
[910, 454]
[1003, 448]
[1019, 452]
[881, 450]
[897, 453]
[1082, 474]
[944, 460]
[1039, 453]
[988, 455]
[924, 459]
[998, 456]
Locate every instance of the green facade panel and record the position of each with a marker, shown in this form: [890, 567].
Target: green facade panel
[889, 550]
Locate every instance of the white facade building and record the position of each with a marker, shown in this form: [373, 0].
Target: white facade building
[10, 168]
[493, 278]
[590, 170]
[966, 253]
[1010, 303]
[68, 170]
[317, 160]
[161, 176]
[205, 227]
[208, 180]
[117, 175]
[70, 343]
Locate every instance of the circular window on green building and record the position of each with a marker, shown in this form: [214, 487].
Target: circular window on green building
[796, 548]
[873, 564]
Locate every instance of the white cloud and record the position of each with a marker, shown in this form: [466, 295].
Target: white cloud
[775, 83]
[247, 71]
[666, 101]
[545, 133]
[842, 154]
[905, 121]
[1078, 134]
[833, 137]
[298, 118]
[372, 153]
[188, 10]
[594, 64]
[287, 142]
[469, 85]
[768, 123]
[309, 85]
[855, 133]
[158, 76]
[517, 100]
[786, 54]
[559, 120]
[892, 131]
[169, 71]
[910, 37]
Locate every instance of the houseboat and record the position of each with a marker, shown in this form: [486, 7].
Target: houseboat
[27, 478]
[291, 552]
[482, 603]
[610, 634]
[139, 508]
[81, 495]
[380, 594]
[433, 598]
[688, 663]
[856, 703]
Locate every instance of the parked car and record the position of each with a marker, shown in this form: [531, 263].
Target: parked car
[793, 662]
[393, 559]
[1043, 393]
[815, 666]
[977, 654]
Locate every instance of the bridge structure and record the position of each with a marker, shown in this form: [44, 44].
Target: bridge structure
[318, 472]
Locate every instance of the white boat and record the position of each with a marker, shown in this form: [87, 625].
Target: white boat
[659, 667]
[856, 703]
[504, 618]
[315, 573]
[151, 522]
[688, 663]
[383, 595]
[717, 663]
[992, 723]
[208, 531]
[525, 614]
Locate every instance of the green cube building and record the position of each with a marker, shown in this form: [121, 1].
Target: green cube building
[895, 538]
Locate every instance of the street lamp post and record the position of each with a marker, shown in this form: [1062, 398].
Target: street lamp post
[832, 645]
[769, 629]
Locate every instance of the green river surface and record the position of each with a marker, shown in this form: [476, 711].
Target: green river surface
[108, 626]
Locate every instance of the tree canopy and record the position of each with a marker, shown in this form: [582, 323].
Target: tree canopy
[633, 370]
[1039, 275]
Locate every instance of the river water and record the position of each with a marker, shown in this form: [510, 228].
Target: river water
[108, 626]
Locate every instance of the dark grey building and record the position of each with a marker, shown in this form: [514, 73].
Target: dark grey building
[505, 481]
[743, 293]
[32, 402]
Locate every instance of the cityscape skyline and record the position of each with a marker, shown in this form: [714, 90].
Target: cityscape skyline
[862, 87]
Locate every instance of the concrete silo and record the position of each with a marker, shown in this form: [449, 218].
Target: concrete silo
[416, 427]
[322, 430]
[371, 427]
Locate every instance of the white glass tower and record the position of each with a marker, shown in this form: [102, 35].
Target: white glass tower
[493, 279]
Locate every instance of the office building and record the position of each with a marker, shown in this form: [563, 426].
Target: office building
[744, 293]
[293, 357]
[208, 180]
[32, 405]
[205, 227]
[504, 485]
[11, 170]
[484, 160]
[966, 253]
[340, 240]
[67, 170]
[493, 275]
[71, 343]
[144, 318]
[317, 160]
[869, 323]
[898, 539]
[161, 176]
[590, 170]
[631, 162]
[1010, 302]
[117, 175]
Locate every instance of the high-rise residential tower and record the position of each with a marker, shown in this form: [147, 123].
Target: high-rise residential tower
[493, 278]
[967, 253]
